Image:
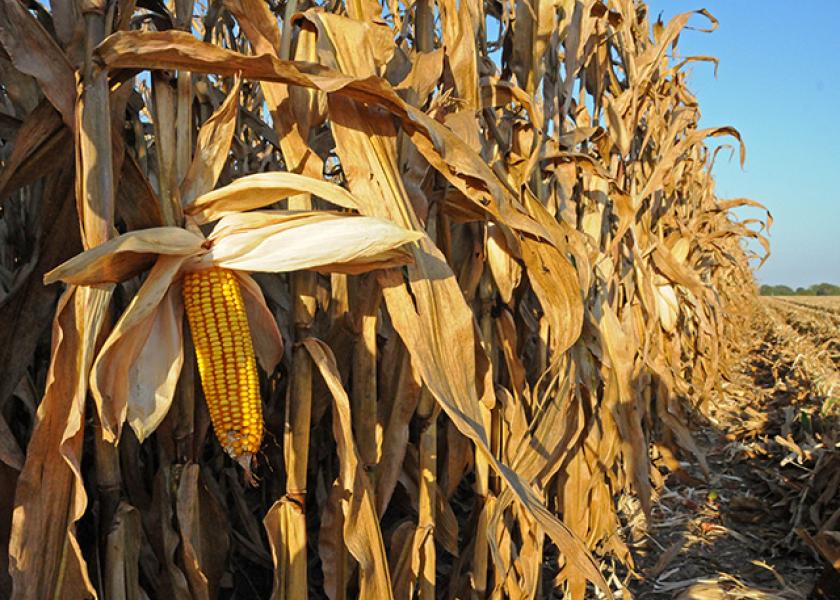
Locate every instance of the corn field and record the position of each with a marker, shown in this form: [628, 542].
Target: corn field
[344, 305]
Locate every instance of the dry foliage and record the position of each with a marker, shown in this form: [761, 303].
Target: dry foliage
[764, 524]
[510, 277]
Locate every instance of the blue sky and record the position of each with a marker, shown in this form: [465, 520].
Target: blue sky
[779, 84]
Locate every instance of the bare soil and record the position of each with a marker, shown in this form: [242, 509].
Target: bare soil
[763, 524]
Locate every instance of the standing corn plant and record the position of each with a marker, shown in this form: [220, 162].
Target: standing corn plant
[136, 372]
[512, 286]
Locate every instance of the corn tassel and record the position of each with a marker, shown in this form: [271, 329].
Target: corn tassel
[226, 364]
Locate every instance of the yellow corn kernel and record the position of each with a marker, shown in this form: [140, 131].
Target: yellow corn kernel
[225, 355]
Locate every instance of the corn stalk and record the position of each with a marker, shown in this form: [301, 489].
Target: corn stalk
[569, 300]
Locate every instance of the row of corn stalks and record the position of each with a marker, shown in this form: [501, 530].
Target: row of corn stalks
[395, 299]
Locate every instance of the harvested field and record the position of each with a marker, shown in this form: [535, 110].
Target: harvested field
[828, 303]
[817, 322]
[772, 502]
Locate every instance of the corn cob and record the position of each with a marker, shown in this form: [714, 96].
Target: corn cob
[225, 355]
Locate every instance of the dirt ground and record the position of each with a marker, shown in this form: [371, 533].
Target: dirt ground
[765, 523]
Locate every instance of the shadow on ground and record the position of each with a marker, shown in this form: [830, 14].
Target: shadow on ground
[765, 523]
